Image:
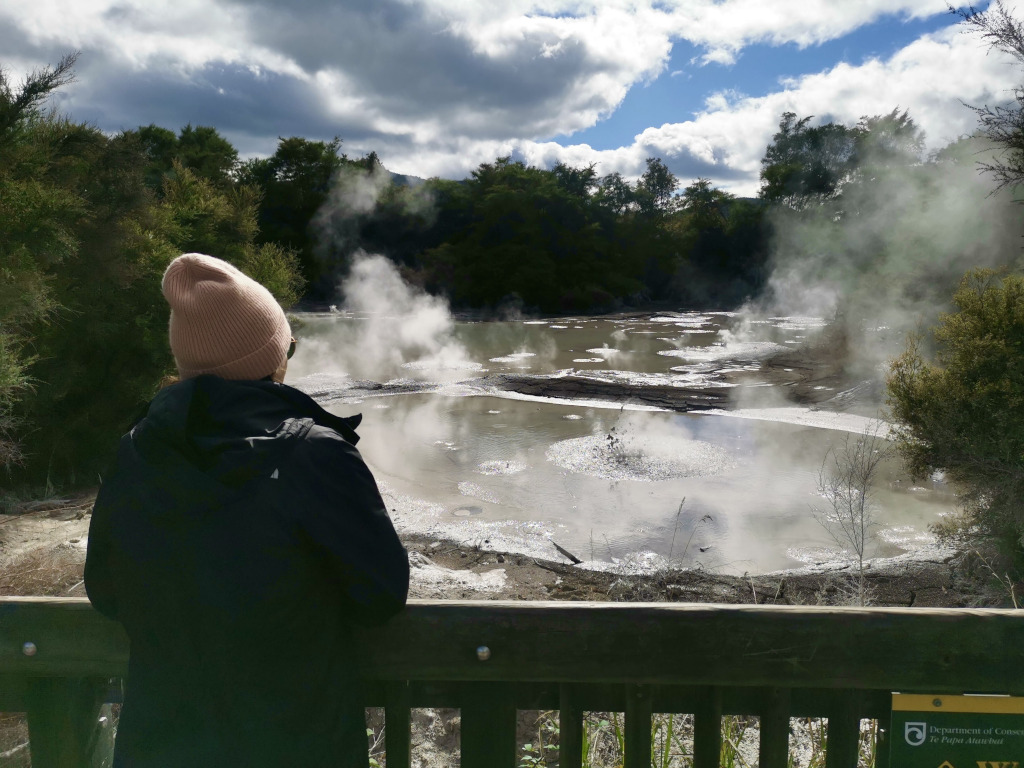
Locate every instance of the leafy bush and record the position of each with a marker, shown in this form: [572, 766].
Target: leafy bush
[84, 241]
[964, 413]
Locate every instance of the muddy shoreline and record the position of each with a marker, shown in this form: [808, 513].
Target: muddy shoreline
[479, 573]
[42, 551]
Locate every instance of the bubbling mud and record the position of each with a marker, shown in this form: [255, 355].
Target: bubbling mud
[511, 467]
[614, 458]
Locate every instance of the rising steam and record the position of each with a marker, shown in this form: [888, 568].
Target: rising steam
[398, 330]
[887, 258]
[356, 192]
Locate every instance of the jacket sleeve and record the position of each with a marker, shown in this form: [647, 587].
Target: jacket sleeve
[99, 570]
[345, 518]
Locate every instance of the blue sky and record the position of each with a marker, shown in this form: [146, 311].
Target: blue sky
[437, 87]
[681, 89]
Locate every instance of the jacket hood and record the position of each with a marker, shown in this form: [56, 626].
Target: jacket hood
[229, 431]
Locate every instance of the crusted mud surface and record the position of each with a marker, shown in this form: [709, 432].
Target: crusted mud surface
[483, 574]
[42, 551]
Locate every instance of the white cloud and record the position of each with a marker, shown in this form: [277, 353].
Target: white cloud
[726, 27]
[438, 86]
[932, 78]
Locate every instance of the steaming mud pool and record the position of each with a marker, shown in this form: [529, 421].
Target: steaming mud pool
[630, 441]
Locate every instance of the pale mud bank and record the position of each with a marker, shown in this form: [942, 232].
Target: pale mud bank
[42, 551]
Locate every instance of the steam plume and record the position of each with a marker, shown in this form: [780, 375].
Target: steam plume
[887, 258]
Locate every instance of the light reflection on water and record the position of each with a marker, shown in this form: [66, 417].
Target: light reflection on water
[602, 482]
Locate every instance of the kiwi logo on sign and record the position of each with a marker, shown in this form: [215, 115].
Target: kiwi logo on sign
[915, 733]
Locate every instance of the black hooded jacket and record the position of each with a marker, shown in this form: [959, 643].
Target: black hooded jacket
[237, 540]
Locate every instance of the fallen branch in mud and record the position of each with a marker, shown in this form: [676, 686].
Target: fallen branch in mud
[568, 554]
[670, 397]
[553, 567]
[13, 751]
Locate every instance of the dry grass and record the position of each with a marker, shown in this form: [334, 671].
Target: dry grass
[14, 741]
[48, 570]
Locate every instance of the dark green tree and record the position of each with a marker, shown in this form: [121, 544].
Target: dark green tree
[705, 206]
[197, 216]
[532, 234]
[806, 164]
[721, 244]
[17, 106]
[83, 244]
[887, 141]
[208, 154]
[655, 191]
[580, 182]
[37, 232]
[963, 413]
[616, 194]
[201, 149]
[296, 181]
[104, 347]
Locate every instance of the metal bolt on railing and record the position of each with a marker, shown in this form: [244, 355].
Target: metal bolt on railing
[483, 653]
[29, 648]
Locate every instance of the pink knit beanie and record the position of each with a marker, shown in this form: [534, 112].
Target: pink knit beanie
[222, 321]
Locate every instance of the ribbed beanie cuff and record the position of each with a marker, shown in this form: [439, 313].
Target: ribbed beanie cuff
[222, 321]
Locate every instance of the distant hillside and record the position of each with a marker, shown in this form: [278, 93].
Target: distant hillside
[401, 180]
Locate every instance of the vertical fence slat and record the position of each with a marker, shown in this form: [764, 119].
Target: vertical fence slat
[488, 738]
[707, 729]
[570, 728]
[638, 726]
[63, 721]
[882, 745]
[774, 747]
[843, 732]
[397, 725]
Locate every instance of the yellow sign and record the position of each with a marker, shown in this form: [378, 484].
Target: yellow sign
[940, 731]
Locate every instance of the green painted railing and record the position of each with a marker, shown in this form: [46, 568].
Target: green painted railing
[490, 659]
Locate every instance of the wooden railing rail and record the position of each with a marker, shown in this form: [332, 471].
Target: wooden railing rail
[490, 659]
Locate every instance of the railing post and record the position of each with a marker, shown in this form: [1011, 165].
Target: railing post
[774, 747]
[488, 738]
[397, 725]
[707, 730]
[638, 726]
[843, 743]
[882, 744]
[63, 723]
[570, 728]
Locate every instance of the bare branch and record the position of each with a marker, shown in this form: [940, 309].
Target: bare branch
[845, 481]
[37, 86]
[995, 26]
